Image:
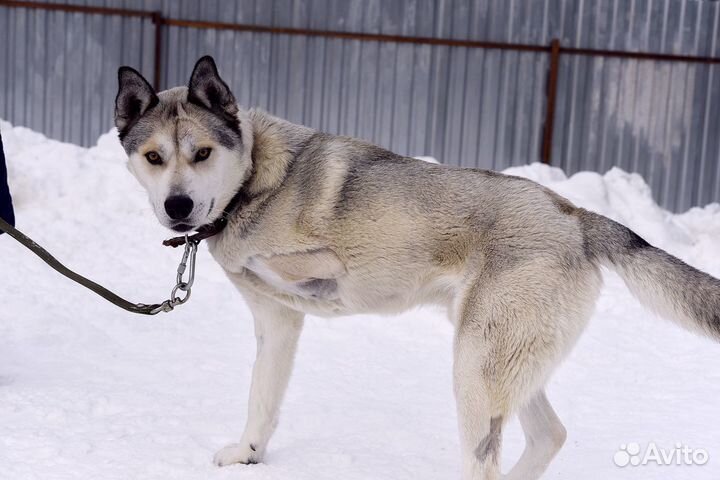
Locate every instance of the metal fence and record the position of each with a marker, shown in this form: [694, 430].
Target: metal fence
[634, 83]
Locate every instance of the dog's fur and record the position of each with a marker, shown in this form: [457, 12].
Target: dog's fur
[335, 226]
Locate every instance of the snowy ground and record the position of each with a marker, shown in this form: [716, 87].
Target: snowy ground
[90, 392]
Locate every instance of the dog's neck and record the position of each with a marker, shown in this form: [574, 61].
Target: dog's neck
[276, 143]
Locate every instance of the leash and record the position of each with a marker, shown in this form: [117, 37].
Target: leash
[188, 259]
[191, 243]
[181, 285]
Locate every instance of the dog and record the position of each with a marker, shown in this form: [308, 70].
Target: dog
[307, 222]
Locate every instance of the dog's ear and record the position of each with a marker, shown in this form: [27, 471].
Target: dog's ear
[208, 90]
[135, 96]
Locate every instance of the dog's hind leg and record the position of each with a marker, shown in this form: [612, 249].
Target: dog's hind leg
[479, 420]
[277, 330]
[544, 437]
[513, 326]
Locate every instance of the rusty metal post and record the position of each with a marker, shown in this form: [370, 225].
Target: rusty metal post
[158, 21]
[546, 154]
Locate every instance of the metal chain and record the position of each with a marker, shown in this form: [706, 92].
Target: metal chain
[181, 285]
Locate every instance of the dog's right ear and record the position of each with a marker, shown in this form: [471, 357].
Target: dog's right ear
[135, 96]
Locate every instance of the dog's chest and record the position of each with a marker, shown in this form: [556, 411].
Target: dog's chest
[310, 274]
[289, 282]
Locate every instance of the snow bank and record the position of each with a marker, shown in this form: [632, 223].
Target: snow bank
[88, 391]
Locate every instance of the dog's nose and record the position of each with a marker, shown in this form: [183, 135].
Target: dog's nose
[178, 206]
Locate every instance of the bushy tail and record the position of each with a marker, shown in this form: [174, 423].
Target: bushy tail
[660, 281]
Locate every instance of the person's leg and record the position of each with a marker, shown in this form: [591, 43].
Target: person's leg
[6, 207]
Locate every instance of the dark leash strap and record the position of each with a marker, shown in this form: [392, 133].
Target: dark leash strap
[188, 259]
[141, 308]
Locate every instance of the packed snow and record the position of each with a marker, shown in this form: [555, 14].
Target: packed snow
[88, 391]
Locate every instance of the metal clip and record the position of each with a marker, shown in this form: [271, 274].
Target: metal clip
[186, 263]
[188, 258]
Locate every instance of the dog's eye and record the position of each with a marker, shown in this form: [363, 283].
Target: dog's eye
[154, 158]
[202, 154]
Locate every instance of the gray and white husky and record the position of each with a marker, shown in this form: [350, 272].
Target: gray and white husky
[307, 222]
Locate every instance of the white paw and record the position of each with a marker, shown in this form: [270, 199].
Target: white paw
[246, 453]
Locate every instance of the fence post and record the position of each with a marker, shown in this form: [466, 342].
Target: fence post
[546, 154]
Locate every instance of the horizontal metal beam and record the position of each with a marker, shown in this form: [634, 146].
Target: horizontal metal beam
[63, 7]
[663, 57]
[372, 37]
[158, 19]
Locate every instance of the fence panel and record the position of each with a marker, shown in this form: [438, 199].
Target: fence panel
[480, 107]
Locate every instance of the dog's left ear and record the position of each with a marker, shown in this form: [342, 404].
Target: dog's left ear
[208, 90]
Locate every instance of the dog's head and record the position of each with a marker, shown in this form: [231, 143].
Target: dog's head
[187, 145]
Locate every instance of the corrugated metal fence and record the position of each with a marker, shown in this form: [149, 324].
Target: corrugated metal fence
[464, 105]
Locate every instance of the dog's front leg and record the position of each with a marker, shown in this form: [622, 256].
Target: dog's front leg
[277, 330]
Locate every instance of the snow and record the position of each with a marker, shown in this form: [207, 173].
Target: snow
[89, 391]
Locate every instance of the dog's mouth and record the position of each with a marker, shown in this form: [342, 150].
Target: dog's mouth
[182, 227]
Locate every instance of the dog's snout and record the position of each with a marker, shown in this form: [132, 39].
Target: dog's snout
[178, 206]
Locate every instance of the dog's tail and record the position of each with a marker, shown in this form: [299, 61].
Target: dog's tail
[661, 282]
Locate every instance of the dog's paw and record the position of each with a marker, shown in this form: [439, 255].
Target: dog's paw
[245, 453]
